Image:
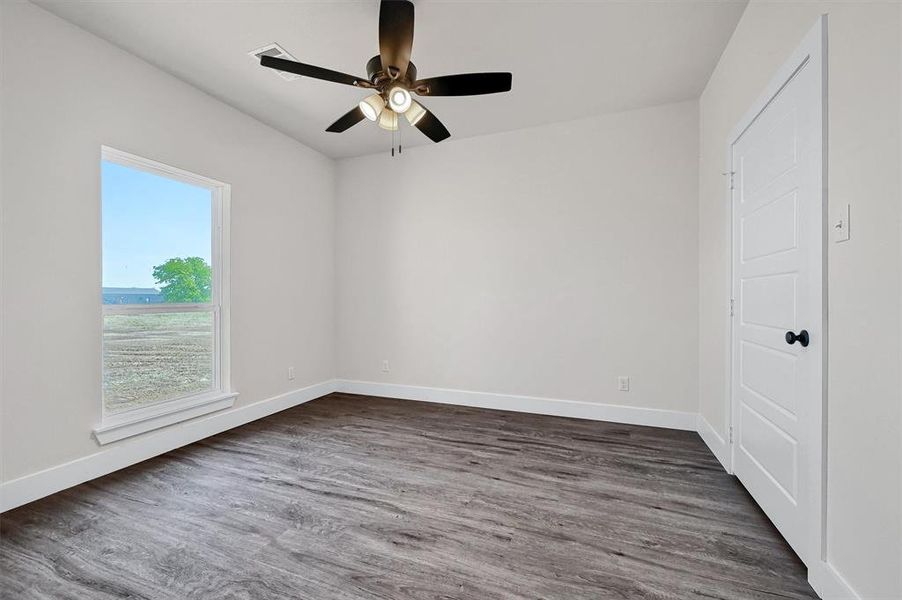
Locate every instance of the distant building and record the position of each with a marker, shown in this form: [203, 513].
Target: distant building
[116, 295]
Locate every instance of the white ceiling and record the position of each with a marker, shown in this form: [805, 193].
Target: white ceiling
[570, 59]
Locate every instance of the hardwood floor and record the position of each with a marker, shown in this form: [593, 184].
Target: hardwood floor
[357, 497]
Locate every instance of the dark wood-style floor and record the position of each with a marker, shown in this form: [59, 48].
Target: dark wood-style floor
[357, 497]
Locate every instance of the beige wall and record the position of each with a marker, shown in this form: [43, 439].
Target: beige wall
[541, 262]
[864, 453]
[65, 93]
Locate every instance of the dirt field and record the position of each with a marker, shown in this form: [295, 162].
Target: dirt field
[154, 357]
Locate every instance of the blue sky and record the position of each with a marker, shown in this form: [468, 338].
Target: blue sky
[148, 219]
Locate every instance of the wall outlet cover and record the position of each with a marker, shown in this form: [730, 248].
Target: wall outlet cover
[623, 383]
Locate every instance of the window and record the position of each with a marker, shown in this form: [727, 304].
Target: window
[163, 295]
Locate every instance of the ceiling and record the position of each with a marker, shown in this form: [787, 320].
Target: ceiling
[570, 59]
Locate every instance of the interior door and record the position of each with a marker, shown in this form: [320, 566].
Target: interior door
[777, 216]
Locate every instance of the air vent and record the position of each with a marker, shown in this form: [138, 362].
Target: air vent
[277, 51]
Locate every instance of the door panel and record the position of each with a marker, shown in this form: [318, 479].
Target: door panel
[773, 153]
[770, 374]
[774, 452]
[770, 229]
[769, 301]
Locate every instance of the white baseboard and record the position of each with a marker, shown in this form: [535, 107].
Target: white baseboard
[632, 415]
[128, 452]
[829, 584]
[715, 442]
[131, 451]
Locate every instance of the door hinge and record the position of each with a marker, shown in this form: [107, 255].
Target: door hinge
[730, 434]
[732, 307]
[731, 174]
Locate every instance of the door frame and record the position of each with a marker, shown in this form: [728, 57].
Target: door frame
[812, 52]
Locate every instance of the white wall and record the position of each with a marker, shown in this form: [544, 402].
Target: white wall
[546, 262]
[65, 93]
[541, 262]
[864, 456]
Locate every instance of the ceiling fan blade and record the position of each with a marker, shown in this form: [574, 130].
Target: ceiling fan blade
[346, 121]
[432, 127]
[465, 84]
[290, 66]
[395, 35]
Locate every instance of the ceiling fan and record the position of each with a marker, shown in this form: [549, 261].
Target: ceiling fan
[392, 77]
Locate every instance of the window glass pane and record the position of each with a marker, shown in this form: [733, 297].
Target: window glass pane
[153, 357]
[156, 238]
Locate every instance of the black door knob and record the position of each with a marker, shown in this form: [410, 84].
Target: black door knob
[802, 338]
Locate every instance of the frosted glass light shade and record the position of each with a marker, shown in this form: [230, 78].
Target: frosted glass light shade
[372, 106]
[388, 120]
[399, 99]
[415, 112]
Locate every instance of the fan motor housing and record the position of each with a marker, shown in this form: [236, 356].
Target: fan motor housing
[377, 75]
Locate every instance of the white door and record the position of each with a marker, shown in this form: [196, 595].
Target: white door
[777, 216]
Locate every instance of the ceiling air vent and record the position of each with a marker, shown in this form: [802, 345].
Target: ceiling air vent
[277, 51]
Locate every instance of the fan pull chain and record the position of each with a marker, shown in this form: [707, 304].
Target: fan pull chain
[399, 136]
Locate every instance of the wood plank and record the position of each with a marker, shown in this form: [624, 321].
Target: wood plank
[354, 497]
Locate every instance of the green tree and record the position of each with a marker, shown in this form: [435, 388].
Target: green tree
[184, 280]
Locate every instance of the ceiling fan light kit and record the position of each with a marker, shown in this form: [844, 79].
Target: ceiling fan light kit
[415, 112]
[372, 106]
[388, 120]
[399, 99]
[393, 77]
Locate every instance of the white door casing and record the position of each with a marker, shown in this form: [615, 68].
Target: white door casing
[777, 163]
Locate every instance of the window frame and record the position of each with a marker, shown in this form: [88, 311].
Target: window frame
[118, 425]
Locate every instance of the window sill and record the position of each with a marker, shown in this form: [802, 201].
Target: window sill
[142, 420]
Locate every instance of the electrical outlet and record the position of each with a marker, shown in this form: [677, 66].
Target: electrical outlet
[623, 383]
[385, 367]
[290, 373]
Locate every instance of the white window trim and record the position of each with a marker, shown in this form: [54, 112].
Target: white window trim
[125, 424]
[142, 420]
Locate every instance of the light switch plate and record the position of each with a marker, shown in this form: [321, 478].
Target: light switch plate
[841, 225]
